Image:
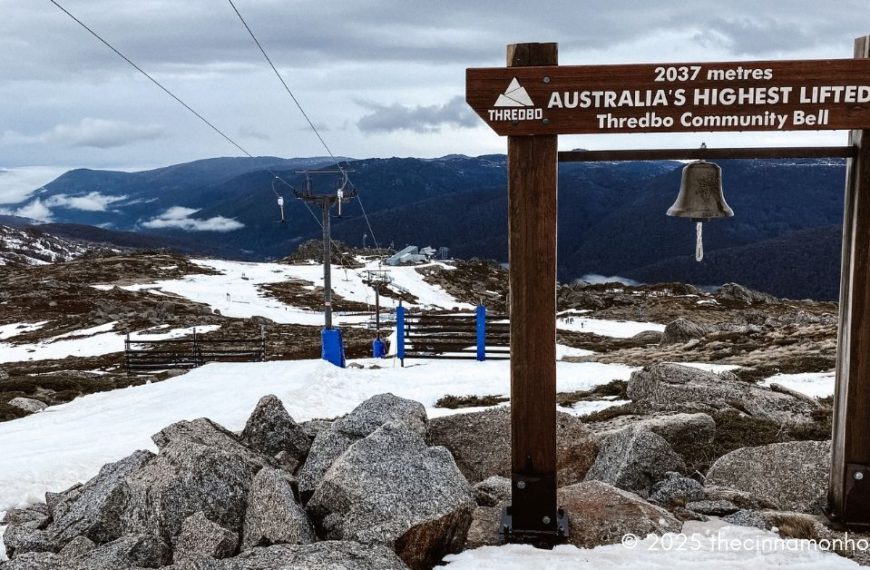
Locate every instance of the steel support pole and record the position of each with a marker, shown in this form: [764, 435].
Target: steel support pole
[326, 206]
[377, 313]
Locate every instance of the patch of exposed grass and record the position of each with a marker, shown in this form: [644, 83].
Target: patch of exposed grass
[796, 526]
[825, 414]
[58, 389]
[800, 364]
[753, 375]
[610, 413]
[454, 402]
[614, 388]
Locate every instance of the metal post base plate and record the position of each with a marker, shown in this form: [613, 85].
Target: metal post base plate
[856, 515]
[537, 538]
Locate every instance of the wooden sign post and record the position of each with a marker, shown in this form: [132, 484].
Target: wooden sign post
[532, 182]
[849, 489]
[533, 100]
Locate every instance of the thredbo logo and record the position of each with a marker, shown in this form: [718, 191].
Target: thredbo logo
[515, 104]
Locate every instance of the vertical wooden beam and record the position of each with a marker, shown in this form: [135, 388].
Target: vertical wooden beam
[532, 179]
[849, 490]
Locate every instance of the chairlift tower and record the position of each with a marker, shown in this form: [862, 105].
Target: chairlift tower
[333, 347]
[378, 279]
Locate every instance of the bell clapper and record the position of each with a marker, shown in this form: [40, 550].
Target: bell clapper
[699, 240]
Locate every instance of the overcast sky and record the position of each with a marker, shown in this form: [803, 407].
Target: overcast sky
[381, 78]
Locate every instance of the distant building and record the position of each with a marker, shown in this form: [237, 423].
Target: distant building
[412, 255]
[408, 256]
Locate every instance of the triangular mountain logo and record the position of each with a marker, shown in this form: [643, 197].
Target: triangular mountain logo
[514, 96]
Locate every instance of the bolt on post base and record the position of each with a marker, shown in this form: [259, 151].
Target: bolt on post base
[533, 517]
[857, 516]
[539, 538]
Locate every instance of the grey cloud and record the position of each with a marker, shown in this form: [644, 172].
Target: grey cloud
[761, 36]
[420, 118]
[197, 36]
[89, 132]
[247, 131]
[332, 53]
[188, 39]
[103, 133]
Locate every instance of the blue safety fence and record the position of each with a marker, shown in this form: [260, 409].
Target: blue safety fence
[143, 356]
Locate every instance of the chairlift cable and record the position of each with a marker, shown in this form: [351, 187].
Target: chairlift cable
[176, 98]
[365, 216]
[286, 87]
[154, 81]
[302, 111]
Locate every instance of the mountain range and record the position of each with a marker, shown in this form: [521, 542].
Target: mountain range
[784, 238]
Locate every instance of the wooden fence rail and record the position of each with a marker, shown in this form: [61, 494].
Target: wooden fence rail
[186, 353]
[477, 335]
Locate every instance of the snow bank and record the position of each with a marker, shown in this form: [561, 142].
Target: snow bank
[69, 443]
[616, 329]
[236, 291]
[584, 407]
[77, 344]
[709, 367]
[814, 384]
[15, 329]
[702, 545]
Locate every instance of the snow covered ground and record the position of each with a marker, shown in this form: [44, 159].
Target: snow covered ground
[66, 444]
[715, 368]
[15, 329]
[701, 545]
[616, 329]
[86, 342]
[815, 384]
[236, 293]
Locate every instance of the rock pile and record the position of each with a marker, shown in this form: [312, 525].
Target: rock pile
[672, 387]
[481, 444]
[682, 330]
[792, 476]
[383, 487]
[209, 499]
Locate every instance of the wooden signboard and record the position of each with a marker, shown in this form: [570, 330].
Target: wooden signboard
[533, 100]
[682, 97]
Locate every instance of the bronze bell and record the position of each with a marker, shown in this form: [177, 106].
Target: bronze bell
[701, 198]
[701, 195]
